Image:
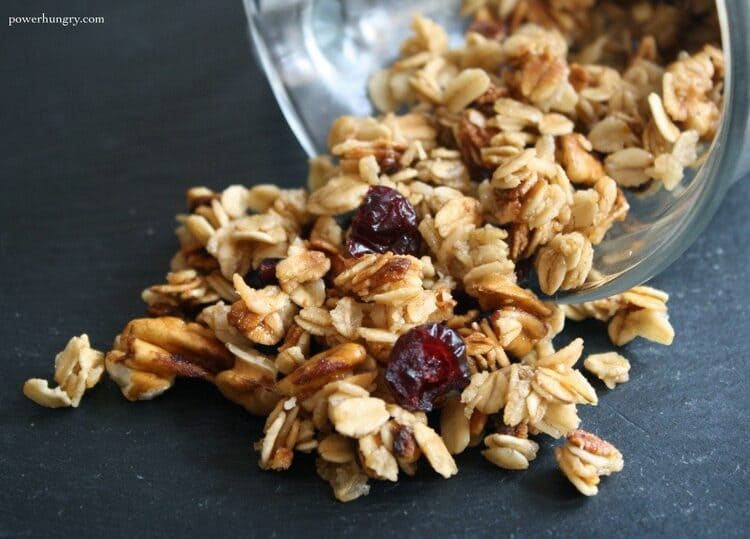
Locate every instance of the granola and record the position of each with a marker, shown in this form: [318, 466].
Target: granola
[77, 368]
[584, 458]
[610, 367]
[517, 151]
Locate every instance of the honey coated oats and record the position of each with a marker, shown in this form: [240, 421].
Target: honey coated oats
[397, 284]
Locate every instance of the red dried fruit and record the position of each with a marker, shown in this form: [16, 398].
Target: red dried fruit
[386, 221]
[264, 274]
[425, 364]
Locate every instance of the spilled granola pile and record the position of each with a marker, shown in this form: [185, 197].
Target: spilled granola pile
[399, 284]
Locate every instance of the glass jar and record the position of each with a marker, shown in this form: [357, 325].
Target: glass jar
[318, 55]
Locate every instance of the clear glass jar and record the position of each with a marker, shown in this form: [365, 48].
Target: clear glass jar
[318, 55]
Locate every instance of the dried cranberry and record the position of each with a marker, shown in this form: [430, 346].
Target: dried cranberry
[425, 364]
[264, 274]
[386, 221]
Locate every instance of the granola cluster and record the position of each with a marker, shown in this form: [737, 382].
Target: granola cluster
[414, 242]
[77, 368]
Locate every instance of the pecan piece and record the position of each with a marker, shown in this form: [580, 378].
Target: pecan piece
[580, 165]
[250, 385]
[170, 345]
[264, 315]
[494, 292]
[151, 352]
[327, 366]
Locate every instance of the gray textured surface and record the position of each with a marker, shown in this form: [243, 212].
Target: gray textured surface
[104, 128]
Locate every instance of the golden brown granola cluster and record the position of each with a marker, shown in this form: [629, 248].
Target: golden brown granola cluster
[516, 149]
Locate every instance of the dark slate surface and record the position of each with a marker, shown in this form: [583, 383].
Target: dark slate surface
[103, 129]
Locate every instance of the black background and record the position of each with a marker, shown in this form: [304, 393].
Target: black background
[103, 129]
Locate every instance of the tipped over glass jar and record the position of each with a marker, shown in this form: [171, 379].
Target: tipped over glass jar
[319, 57]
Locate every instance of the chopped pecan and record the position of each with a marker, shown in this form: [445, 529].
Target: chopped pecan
[580, 165]
[591, 443]
[264, 315]
[494, 292]
[171, 346]
[332, 364]
[584, 458]
[374, 275]
[150, 352]
[471, 138]
[485, 102]
[248, 385]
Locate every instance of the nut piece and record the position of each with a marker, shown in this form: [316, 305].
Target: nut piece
[383, 278]
[579, 164]
[150, 352]
[611, 368]
[434, 449]
[584, 458]
[494, 291]
[405, 447]
[687, 87]
[264, 315]
[327, 366]
[170, 345]
[77, 368]
[249, 383]
[510, 452]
